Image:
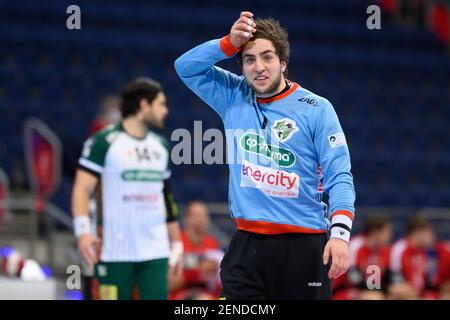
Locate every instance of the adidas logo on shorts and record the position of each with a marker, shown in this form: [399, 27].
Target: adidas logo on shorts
[314, 284]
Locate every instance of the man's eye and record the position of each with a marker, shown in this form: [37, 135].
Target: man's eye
[249, 60]
[267, 58]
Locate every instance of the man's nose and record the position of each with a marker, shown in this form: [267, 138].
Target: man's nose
[259, 66]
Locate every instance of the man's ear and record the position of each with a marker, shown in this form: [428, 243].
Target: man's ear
[283, 65]
[142, 104]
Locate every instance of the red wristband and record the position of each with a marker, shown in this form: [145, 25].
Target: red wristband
[227, 47]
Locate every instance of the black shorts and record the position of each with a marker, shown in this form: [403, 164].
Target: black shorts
[285, 266]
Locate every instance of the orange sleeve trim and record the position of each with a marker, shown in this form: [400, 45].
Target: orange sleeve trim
[227, 47]
[263, 227]
[279, 97]
[344, 212]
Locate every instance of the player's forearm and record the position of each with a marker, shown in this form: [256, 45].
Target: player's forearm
[176, 245]
[82, 189]
[338, 181]
[342, 199]
[212, 84]
[174, 231]
[83, 186]
[200, 59]
[342, 194]
[80, 202]
[80, 211]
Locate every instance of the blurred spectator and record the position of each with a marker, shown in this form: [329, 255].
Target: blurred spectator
[409, 262]
[388, 5]
[109, 113]
[439, 21]
[438, 269]
[370, 248]
[202, 256]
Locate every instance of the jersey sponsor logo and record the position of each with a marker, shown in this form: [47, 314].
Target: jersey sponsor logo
[310, 101]
[140, 197]
[256, 144]
[142, 175]
[276, 183]
[337, 139]
[284, 129]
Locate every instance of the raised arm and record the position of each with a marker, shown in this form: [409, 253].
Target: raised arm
[197, 69]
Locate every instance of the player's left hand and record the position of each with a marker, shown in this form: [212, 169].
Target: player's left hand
[338, 250]
[176, 259]
[177, 269]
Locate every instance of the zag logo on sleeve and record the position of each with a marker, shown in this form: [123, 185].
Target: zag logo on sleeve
[284, 129]
[310, 101]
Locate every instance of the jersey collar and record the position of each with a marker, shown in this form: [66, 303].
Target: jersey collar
[293, 87]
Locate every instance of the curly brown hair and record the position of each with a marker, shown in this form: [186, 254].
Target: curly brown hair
[270, 29]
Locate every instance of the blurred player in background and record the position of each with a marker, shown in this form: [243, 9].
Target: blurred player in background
[202, 256]
[440, 269]
[281, 249]
[136, 213]
[367, 250]
[409, 262]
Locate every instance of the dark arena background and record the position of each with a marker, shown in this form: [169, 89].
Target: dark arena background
[60, 78]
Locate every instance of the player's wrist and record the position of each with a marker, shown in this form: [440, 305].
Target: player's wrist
[341, 225]
[176, 252]
[227, 46]
[340, 232]
[81, 225]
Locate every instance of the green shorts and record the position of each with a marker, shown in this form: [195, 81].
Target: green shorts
[118, 280]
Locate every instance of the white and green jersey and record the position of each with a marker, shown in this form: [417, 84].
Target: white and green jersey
[132, 204]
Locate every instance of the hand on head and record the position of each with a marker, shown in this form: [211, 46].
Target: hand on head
[242, 30]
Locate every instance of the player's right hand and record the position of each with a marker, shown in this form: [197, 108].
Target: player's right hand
[86, 243]
[242, 30]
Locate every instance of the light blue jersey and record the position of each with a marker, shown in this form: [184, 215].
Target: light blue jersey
[277, 175]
